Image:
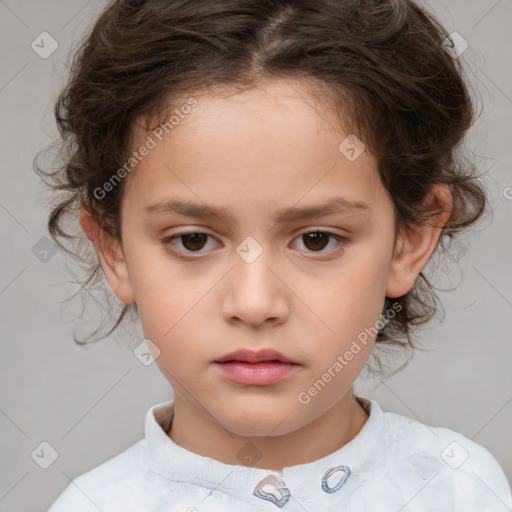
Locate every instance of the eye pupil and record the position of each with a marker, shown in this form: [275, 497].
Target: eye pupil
[196, 239]
[316, 238]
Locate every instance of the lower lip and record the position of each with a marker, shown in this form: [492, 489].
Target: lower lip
[256, 374]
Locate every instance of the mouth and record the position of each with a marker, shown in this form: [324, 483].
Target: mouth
[251, 356]
[261, 368]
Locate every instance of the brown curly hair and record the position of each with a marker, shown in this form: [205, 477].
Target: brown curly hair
[382, 64]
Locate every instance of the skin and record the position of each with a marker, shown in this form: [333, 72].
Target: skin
[254, 153]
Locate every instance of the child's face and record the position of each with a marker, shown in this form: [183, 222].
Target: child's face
[254, 155]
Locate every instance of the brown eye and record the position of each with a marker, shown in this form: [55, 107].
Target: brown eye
[194, 241]
[317, 241]
[190, 243]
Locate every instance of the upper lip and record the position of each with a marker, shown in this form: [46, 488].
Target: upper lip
[251, 356]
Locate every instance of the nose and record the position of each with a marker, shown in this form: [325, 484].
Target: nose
[256, 291]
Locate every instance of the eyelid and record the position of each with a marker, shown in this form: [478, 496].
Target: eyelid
[167, 243]
[342, 241]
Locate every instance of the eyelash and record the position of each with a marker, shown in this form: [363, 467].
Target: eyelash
[167, 243]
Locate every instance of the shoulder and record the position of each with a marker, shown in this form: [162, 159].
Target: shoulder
[451, 465]
[94, 490]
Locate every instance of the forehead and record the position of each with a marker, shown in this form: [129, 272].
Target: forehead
[269, 146]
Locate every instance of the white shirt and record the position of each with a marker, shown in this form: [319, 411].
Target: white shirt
[394, 464]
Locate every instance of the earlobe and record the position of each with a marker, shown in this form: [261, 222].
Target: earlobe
[415, 246]
[111, 256]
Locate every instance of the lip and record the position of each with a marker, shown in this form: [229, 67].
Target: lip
[251, 356]
[250, 368]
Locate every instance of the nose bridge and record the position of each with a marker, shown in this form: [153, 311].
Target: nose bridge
[252, 261]
[254, 291]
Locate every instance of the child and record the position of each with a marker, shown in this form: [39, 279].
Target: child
[212, 146]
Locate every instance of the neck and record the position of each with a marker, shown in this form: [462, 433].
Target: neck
[336, 427]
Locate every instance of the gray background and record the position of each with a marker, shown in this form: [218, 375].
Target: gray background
[90, 404]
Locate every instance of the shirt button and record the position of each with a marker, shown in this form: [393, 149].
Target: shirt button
[334, 478]
[272, 489]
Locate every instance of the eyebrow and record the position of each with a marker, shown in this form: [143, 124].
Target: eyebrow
[202, 211]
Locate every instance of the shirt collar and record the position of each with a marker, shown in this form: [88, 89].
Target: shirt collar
[327, 476]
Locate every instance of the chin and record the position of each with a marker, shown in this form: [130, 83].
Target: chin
[251, 422]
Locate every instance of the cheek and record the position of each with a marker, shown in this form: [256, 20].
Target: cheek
[163, 291]
[171, 316]
[352, 299]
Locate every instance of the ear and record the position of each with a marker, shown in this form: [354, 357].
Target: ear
[414, 248]
[111, 256]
